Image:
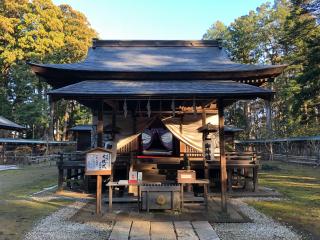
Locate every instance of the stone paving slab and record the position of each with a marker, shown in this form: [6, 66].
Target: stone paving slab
[140, 230]
[163, 231]
[177, 230]
[121, 230]
[204, 230]
[185, 231]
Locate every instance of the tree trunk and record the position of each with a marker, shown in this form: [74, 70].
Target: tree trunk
[66, 121]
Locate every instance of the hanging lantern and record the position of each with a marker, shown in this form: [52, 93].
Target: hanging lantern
[125, 110]
[173, 108]
[148, 108]
[194, 106]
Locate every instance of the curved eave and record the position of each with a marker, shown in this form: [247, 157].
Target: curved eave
[13, 128]
[58, 76]
[94, 89]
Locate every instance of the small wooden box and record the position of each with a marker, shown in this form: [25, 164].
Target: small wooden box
[186, 176]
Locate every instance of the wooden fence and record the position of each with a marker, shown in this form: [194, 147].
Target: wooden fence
[28, 151]
[302, 150]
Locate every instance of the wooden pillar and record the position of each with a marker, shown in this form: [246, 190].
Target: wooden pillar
[100, 125]
[269, 127]
[99, 144]
[113, 124]
[223, 163]
[205, 164]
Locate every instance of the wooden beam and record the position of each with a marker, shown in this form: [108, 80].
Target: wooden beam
[223, 163]
[100, 125]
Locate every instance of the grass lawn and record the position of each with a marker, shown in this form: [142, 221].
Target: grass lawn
[300, 186]
[18, 212]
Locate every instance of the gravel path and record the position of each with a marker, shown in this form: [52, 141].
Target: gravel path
[262, 228]
[58, 227]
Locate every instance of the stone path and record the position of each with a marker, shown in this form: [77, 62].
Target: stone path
[177, 230]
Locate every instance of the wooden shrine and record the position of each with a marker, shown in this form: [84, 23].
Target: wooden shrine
[157, 94]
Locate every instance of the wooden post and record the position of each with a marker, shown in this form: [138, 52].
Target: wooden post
[98, 196]
[100, 125]
[99, 144]
[205, 164]
[269, 127]
[3, 153]
[69, 173]
[113, 124]
[223, 164]
[60, 176]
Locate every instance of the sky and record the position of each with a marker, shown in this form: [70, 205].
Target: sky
[159, 19]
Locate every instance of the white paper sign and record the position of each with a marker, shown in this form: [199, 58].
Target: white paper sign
[98, 161]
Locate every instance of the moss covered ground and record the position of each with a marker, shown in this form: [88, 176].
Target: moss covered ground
[18, 211]
[300, 186]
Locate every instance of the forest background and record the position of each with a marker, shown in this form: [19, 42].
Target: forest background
[282, 32]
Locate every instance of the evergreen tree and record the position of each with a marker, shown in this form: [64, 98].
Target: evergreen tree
[37, 31]
[285, 32]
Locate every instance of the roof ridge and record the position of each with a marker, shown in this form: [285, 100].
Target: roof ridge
[156, 43]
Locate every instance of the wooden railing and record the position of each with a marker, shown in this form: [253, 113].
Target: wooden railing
[132, 146]
[73, 164]
[190, 151]
[242, 156]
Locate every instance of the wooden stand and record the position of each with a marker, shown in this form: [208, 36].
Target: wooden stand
[204, 182]
[98, 163]
[98, 195]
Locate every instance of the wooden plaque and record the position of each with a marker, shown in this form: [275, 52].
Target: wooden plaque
[98, 162]
[186, 176]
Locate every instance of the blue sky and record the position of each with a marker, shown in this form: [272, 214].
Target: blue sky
[159, 19]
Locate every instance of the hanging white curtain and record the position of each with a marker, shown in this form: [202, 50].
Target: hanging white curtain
[186, 128]
[126, 134]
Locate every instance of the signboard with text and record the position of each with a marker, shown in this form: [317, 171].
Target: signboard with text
[98, 162]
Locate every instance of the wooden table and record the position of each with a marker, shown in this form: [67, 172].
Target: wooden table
[111, 185]
[204, 182]
[246, 165]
